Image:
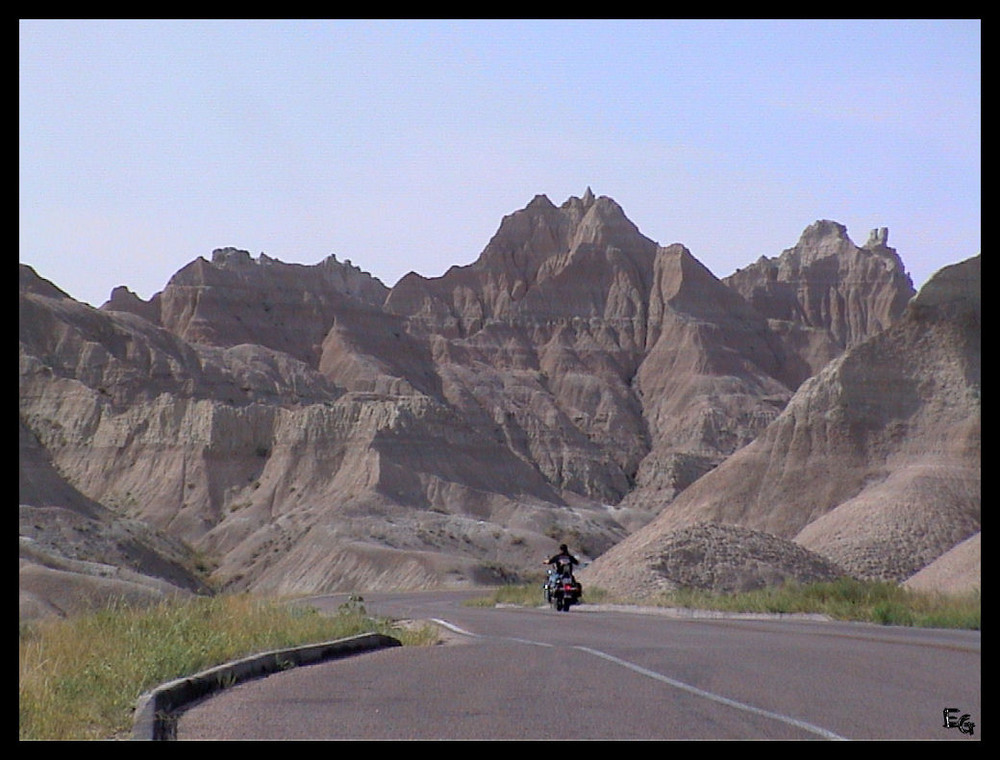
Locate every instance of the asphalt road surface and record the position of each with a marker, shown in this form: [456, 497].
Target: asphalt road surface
[597, 674]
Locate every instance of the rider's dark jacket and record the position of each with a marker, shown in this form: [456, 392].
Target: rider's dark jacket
[561, 559]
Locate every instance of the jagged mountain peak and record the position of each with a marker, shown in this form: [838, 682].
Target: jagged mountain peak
[561, 259]
[582, 204]
[825, 241]
[687, 286]
[678, 257]
[231, 258]
[315, 430]
[827, 282]
[604, 223]
[327, 271]
[877, 238]
[238, 299]
[539, 202]
[878, 454]
[527, 238]
[823, 229]
[601, 206]
[123, 299]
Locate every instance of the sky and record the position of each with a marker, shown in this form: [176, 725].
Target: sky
[400, 145]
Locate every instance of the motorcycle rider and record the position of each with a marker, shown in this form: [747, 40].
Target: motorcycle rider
[561, 588]
[564, 562]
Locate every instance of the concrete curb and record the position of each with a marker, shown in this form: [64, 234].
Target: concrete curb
[155, 714]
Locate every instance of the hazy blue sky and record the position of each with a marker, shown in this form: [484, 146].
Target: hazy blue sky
[400, 145]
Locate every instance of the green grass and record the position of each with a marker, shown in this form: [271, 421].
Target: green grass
[80, 677]
[528, 595]
[846, 599]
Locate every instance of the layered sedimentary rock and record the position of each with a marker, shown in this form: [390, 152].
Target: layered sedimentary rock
[76, 555]
[874, 463]
[826, 294]
[713, 377]
[542, 337]
[310, 429]
[235, 299]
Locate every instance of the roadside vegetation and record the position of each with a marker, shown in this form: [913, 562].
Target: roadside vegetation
[81, 677]
[529, 595]
[845, 599]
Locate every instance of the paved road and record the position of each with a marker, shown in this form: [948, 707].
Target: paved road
[592, 674]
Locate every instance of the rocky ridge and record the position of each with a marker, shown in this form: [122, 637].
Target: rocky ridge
[825, 294]
[874, 463]
[314, 430]
[76, 554]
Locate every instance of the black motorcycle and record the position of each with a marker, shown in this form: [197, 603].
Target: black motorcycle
[561, 589]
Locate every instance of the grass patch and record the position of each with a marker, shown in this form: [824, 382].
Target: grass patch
[529, 595]
[845, 599]
[80, 677]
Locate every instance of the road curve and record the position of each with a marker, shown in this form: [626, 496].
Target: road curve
[597, 674]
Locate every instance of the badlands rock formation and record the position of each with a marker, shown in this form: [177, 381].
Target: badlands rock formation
[874, 464]
[309, 429]
[825, 294]
[76, 555]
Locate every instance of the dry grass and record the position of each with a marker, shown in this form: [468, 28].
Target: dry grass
[845, 599]
[80, 677]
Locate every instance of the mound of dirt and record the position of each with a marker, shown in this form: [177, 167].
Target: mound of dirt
[959, 571]
[714, 557]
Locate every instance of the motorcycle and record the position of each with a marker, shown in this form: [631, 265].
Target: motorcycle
[562, 590]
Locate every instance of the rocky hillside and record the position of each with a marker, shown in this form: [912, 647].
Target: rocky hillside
[75, 554]
[874, 464]
[309, 429]
[825, 294]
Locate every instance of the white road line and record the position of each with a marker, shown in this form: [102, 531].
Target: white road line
[819, 731]
[454, 628]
